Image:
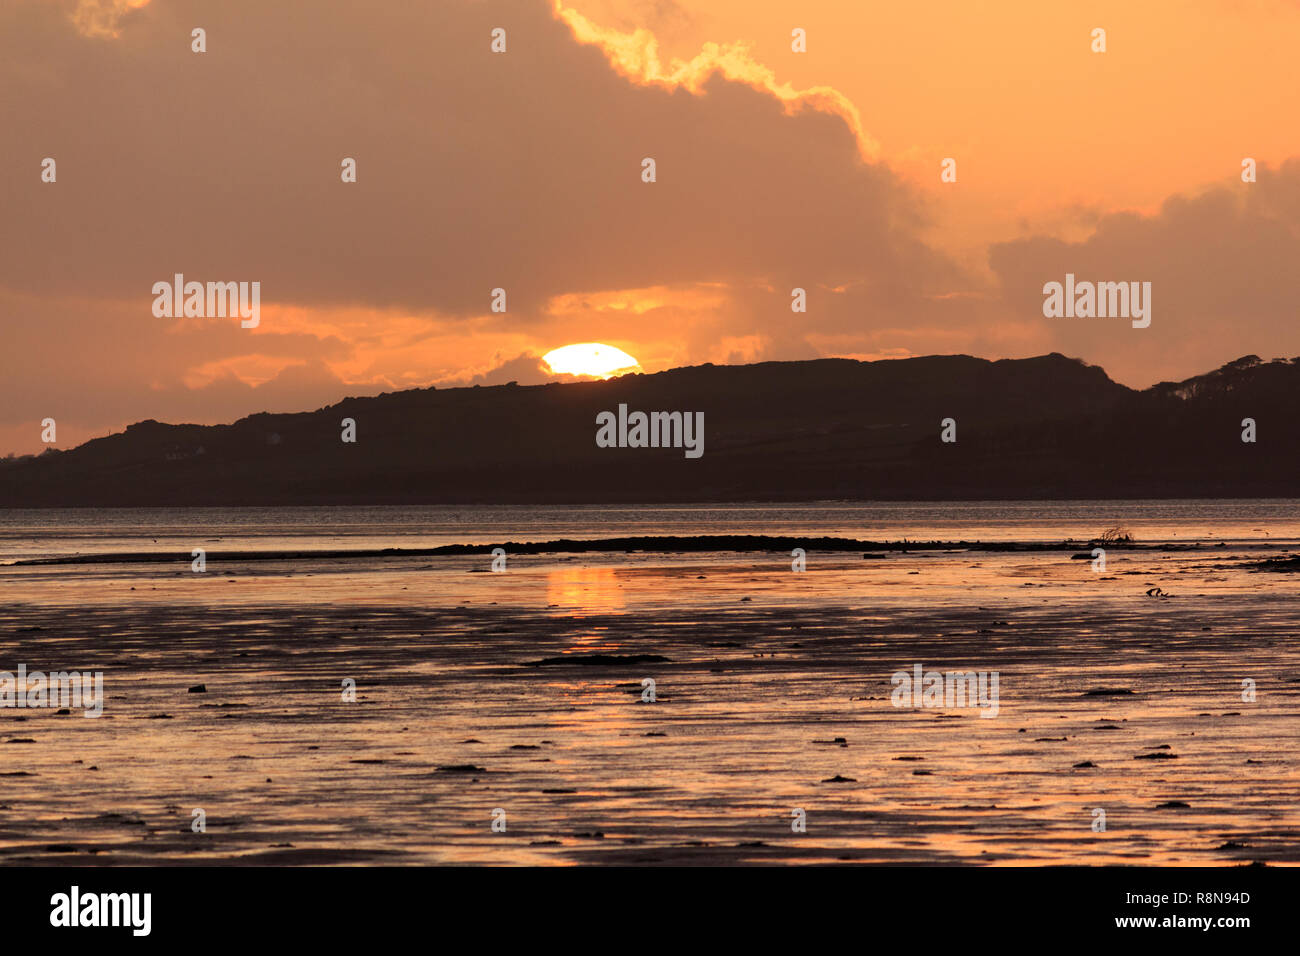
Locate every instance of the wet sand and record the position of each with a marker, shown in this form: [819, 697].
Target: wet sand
[764, 669]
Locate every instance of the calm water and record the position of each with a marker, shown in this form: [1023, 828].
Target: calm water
[773, 689]
[26, 533]
[773, 694]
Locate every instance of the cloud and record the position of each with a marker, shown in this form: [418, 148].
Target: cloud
[522, 369]
[475, 170]
[635, 54]
[102, 18]
[1222, 266]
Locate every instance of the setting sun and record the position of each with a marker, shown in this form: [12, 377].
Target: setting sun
[591, 358]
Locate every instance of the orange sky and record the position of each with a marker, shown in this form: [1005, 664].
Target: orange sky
[1042, 126]
[522, 170]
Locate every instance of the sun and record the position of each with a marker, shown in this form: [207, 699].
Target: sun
[591, 358]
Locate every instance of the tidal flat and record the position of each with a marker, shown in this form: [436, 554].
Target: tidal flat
[1123, 691]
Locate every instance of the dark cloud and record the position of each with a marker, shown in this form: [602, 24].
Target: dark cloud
[476, 170]
[522, 369]
[1222, 266]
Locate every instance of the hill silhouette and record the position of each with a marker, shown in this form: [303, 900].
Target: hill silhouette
[1044, 427]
